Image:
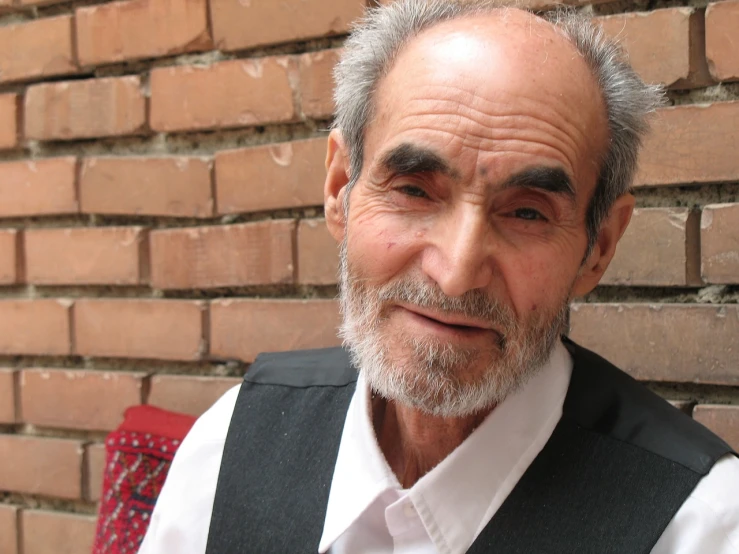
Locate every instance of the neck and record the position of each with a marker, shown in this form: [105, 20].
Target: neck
[414, 442]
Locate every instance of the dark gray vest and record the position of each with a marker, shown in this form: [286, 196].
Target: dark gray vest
[619, 464]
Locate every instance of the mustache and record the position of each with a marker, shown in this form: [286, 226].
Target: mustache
[473, 304]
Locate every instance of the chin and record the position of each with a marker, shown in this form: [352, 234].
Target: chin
[440, 379]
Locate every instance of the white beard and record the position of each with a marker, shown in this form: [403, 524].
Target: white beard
[432, 375]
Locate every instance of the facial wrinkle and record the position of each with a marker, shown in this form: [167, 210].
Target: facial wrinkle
[508, 105]
[524, 127]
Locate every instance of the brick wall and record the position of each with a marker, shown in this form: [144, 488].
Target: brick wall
[161, 164]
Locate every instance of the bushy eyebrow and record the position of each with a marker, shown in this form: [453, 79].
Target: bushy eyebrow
[409, 159]
[547, 179]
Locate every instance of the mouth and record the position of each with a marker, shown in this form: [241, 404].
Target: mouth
[454, 324]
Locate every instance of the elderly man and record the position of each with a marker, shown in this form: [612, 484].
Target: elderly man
[478, 179]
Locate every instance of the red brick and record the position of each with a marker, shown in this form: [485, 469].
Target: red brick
[659, 248]
[85, 109]
[188, 394]
[9, 529]
[238, 25]
[720, 243]
[8, 121]
[74, 399]
[45, 466]
[722, 49]
[90, 256]
[317, 83]
[237, 93]
[274, 176]
[10, 272]
[241, 329]
[223, 256]
[137, 29]
[57, 532]
[722, 420]
[160, 329]
[95, 471]
[663, 46]
[7, 395]
[34, 327]
[692, 144]
[178, 187]
[663, 342]
[38, 187]
[34, 49]
[318, 253]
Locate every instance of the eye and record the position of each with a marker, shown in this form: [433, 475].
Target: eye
[411, 190]
[528, 214]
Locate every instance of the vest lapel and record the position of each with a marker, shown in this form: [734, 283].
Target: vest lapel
[617, 467]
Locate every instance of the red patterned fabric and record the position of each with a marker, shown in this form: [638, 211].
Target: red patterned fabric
[138, 456]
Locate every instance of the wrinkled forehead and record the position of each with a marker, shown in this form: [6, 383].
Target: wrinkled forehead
[507, 62]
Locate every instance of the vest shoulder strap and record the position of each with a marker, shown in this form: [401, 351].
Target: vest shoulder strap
[280, 452]
[607, 401]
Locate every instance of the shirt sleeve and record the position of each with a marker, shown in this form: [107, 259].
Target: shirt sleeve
[708, 521]
[181, 517]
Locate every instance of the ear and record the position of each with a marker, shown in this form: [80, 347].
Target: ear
[611, 231]
[337, 178]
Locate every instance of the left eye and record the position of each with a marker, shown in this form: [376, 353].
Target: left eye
[411, 190]
[528, 214]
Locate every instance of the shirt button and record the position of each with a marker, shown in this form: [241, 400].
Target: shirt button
[409, 510]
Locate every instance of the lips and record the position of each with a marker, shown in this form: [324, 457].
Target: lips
[453, 321]
[452, 325]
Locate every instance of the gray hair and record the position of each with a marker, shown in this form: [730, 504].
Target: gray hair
[377, 39]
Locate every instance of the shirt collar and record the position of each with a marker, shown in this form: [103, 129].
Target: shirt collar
[458, 497]
[361, 473]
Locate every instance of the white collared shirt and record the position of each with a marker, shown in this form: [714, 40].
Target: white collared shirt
[447, 508]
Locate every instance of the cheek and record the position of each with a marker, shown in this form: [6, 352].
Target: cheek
[381, 248]
[536, 284]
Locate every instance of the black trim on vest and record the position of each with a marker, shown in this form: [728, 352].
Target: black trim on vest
[610, 402]
[324, 367]
[619, 464]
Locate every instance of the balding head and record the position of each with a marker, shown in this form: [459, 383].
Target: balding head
[504, 75]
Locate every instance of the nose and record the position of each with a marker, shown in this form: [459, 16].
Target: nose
[459, 254]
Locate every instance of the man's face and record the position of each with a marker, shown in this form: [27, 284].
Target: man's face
[466, 228]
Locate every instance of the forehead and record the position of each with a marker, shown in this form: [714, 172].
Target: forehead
[499, 90]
